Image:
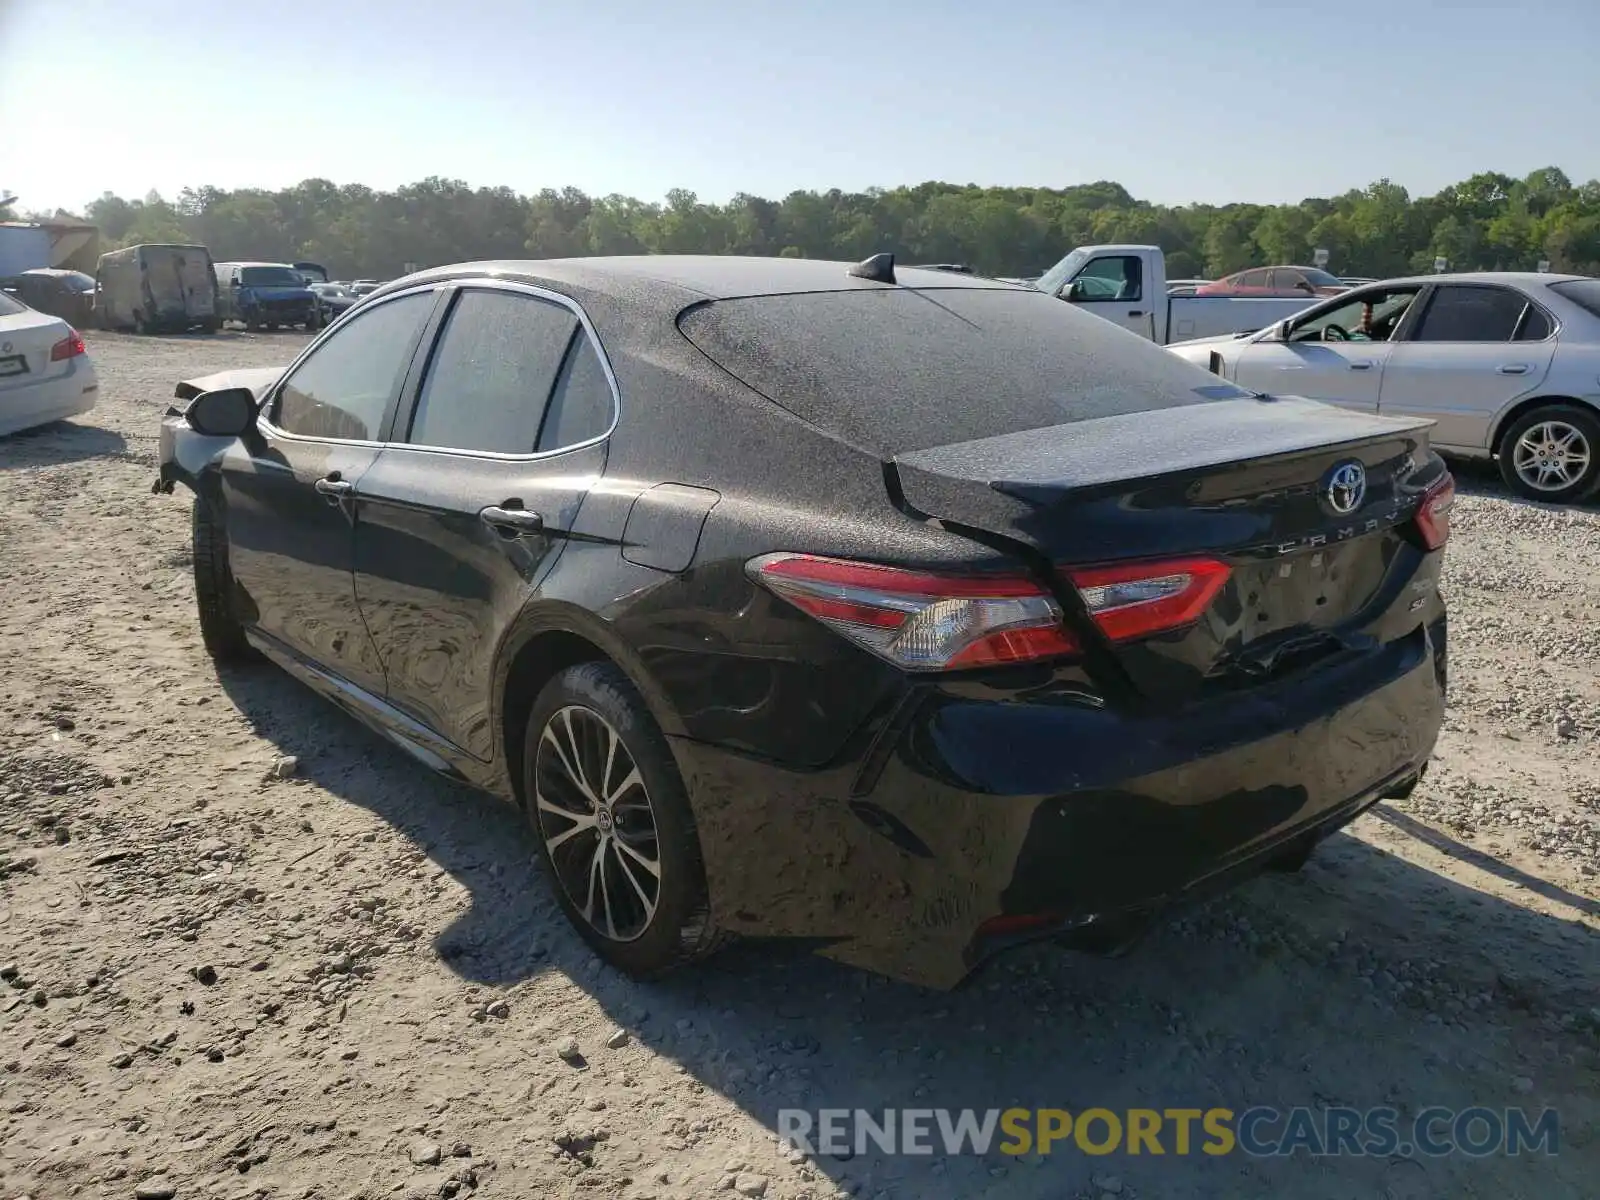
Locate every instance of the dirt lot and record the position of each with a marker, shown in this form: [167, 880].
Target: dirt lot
[225, 984]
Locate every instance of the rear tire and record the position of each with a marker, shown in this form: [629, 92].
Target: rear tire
[645, 907]
[220, 628]
[1552, 454]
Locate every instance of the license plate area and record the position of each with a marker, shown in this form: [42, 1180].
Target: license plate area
[1310, 589]
[13, 364]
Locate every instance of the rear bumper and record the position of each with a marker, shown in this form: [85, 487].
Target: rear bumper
[972, 818]
[47, 400]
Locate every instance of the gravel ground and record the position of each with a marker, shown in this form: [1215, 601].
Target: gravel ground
[339, 977]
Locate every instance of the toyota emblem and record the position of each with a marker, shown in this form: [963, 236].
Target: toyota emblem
[1346, 487]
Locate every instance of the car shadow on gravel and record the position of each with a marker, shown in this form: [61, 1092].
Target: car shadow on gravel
[1285, 992]
[58, 443]
[512, 928]
[1486, 862]
[1291, 991]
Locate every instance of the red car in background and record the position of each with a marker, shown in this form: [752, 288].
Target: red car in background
[1276, 281]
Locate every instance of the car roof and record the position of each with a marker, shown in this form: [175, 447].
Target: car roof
[1522, 279]
[673, 279]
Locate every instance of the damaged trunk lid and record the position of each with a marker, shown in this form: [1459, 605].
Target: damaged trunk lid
[1310, 509]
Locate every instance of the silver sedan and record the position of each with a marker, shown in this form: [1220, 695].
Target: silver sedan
[1506, 364]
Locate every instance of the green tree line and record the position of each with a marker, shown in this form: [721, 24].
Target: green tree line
[1490, 221]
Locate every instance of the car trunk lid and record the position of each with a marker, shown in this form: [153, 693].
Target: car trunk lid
[26, 341]
[1246, 482]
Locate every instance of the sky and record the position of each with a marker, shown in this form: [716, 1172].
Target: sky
[1211, 102]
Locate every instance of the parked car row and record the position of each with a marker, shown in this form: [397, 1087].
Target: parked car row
[908, 613]
[173, 288]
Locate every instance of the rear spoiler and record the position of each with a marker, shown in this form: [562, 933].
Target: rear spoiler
[1022, 471]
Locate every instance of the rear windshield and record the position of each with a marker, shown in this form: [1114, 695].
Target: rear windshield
[78, 281]
[270, 277]
[1585, 293]
[10, 306]
[895, 370]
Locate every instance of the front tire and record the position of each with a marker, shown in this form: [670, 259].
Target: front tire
[220, 628]
[613, 823]
[1552, 454]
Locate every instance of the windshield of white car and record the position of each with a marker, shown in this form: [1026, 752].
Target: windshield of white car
[1053, 279]
[1585, 293]
[10, 306]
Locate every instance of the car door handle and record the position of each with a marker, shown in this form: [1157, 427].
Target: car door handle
[1135, 312]
[332, 485]
[513, 522]
[1361, 366]
[1513, 369]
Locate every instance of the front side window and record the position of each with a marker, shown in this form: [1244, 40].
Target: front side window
[1472, 314]
[1369, 316]
[345, 386]
[1115, 277]
[491, 376]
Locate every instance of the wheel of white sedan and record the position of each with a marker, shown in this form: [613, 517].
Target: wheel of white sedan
[1552, 453]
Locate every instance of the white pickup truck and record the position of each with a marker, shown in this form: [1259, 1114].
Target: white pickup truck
[1128, 285]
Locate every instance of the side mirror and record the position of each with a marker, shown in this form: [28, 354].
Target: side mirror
[1075, 291]
[227, 412]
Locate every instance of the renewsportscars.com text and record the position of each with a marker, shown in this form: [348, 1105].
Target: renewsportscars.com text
[1259, 1131]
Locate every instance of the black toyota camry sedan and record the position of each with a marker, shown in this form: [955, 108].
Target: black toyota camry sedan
[904, 614]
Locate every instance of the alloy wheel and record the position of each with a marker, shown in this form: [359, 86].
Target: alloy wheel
[1551, 455]
[598, 826]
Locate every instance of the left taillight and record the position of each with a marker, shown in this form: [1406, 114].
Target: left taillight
[68, 347]
[921, 620]
[1433, 514]
[1135, 600]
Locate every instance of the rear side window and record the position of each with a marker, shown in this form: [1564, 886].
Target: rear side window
[1471, 314]
[1535, 325]
[580, 407]
[492, 373]
[895, 369]
[343, 388]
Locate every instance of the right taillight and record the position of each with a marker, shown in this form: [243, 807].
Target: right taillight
[922, 620]
[1433, 515]
[70, 346]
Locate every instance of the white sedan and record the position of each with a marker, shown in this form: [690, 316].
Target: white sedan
[1507, 365]
[45, 372]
